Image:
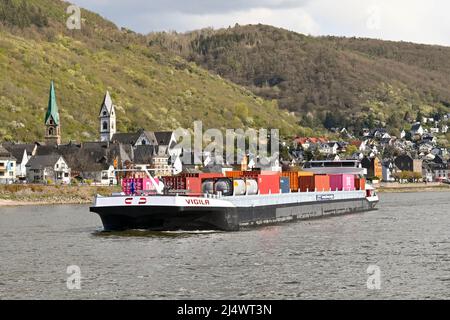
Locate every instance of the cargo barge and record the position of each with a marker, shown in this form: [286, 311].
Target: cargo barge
[232, 201]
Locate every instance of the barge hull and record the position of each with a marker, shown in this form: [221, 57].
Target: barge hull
[173, 218]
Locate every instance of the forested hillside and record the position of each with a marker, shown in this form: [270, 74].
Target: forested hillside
[153, 88]
[326, 81]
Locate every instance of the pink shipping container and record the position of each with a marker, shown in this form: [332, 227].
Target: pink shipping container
[139, 184]
[342, 182]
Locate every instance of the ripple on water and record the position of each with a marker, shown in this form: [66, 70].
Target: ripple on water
[407, 238]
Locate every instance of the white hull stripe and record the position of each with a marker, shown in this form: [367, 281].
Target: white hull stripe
[227, 202]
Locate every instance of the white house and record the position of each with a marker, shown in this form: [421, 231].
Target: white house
[48, 169]
[388, 168]
[417, 129]
[330, 148]
[22, 153]
[7, 166]
[403, 134]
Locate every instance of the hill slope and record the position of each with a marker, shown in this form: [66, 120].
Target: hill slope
[152, 88]
[348, 82]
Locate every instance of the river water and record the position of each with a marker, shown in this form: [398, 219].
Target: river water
[407, 239]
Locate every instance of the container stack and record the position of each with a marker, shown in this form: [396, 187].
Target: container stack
[242, 183]
[132, 186]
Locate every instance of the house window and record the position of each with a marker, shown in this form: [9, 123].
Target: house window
[105, 125]
[104, 113]
[50, 131]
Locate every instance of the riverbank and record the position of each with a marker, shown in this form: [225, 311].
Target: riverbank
[413, 187]
[27, 195]
[19, 195]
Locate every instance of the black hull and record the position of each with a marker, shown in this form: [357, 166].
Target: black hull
[227, 219]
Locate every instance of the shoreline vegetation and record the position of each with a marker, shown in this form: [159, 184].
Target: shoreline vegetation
[412, 187]
[27, 195]
[19, 195]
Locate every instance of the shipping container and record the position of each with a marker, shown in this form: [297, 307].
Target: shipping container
[239, 187]
[305, 174]
[268, 173]
[360, 183]
[234, 174]
[313, 183]
[224, 186]
[177, 183]
[342, 182]
[285, 185]
[250, 174]
[203, 175]
[208, 186]
[293, 179]
[269, 184]
[194, 186]
[138, 185]
[251, 187]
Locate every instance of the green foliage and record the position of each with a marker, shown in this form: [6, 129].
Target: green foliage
[152, 88]
[341, 82]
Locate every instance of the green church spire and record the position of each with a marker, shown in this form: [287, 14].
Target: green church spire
[52, 109]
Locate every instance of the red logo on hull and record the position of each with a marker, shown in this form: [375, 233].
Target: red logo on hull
[129, 201]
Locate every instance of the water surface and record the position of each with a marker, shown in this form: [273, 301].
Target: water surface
[408, 238]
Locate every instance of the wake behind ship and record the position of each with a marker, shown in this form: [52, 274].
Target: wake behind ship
[236, 199]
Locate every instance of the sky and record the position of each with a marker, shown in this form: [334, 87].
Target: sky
[421, 21]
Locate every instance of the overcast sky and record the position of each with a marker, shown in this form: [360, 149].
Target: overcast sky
[422, 21]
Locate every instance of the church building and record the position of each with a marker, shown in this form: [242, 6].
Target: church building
[52, 123]
[107, 118]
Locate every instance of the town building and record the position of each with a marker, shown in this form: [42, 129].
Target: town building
[407, 163]
[7, 166]
[107, 118]
[52, 121]
[50, 169]
[22, 153]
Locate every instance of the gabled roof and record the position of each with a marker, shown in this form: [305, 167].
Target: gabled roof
[52, 108]
[126, 138]
[42, 162]
[17, 150]
[107, 102]
[416, 127]
[163, 138]
[5, 154]
[144, 154]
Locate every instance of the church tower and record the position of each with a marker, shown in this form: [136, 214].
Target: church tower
[107, 119]
[52, 124]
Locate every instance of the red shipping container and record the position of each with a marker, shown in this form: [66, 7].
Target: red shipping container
[342, 182]
[194, 186]
[175, 183]
[202, 175]
[269, 184]
[314, 183]
[268, 173]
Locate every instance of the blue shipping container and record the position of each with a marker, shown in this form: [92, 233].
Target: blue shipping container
[285, 184]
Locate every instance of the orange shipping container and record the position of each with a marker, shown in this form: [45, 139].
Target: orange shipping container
[305, 174]
[234, 174]
[314, 183]
[360, 184]
[293, 178]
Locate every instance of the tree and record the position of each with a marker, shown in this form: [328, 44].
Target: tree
[419, 116]
[330, 121]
